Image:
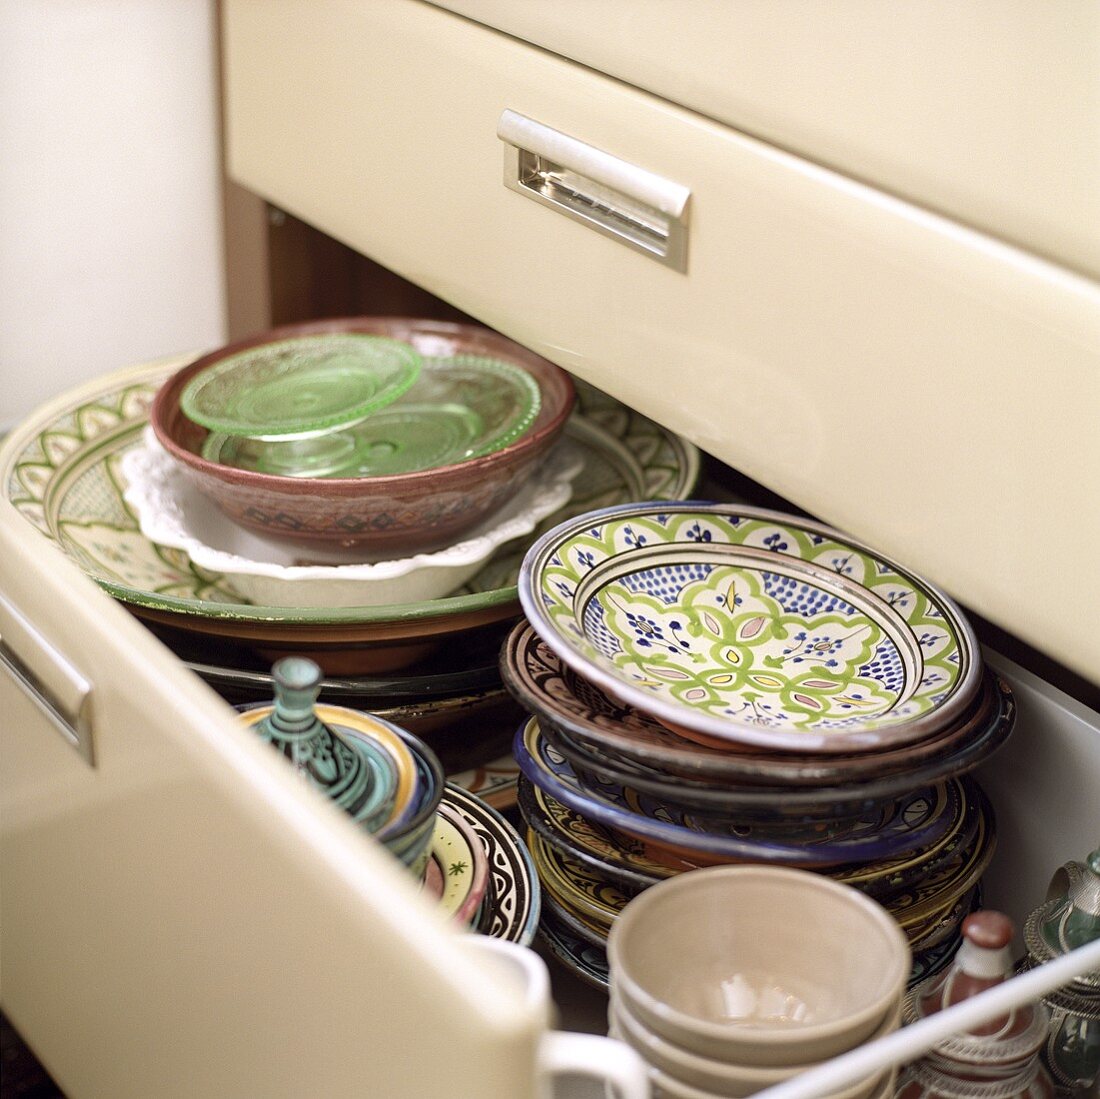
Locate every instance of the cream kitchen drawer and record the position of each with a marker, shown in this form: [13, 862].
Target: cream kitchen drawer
[904, 377]
[986, 113]
[181, 917]
[184, 917]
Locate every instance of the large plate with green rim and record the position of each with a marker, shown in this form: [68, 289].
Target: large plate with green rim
[60, 470]
[740, 625]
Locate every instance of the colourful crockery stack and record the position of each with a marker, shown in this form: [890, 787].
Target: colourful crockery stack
[424, 661]
[1069, 918]
[712, 683]
[347, 435]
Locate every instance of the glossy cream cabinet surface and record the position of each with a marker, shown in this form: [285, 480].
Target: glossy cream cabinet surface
[900, 375]
[185, 918]
[987, 112]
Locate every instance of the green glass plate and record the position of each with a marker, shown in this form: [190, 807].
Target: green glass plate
[461, 407]
[60, 469]
[300, 386]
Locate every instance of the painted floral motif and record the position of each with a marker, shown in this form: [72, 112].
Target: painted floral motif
[725, 646]
[740, 617]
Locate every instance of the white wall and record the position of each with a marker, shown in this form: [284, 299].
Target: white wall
[110, 215]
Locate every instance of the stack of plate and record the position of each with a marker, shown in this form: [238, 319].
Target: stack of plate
[480, 871]
[714, 683]
[428, 664]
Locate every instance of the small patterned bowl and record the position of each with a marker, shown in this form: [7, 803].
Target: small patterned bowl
[388, 516]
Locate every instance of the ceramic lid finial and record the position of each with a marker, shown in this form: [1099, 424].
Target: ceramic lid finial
[320, 755]
[984, 959]
[297, 683]
[988, 930]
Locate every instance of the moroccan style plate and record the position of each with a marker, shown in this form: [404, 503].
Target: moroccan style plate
[627, 737]
[623, 860]
[950, 880]
[513, 897]
[585, 959]
[927, 963]
[620, 860]
[748, 626]
[775, 806]
[563, 916]
[60, 470]
[576, 886]
[917, 819]
[457, 874]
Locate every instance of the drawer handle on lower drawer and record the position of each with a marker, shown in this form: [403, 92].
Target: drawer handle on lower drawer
[612, 196]
[47, 678]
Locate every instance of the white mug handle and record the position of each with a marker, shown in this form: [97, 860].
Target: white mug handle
[621, 1069]
[559, 1052]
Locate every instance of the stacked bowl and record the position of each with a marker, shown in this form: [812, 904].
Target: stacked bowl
[712, 684]
[732, 979]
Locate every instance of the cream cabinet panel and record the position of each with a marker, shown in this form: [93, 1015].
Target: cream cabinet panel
[987, 112]
[183, 917]
[928, 388]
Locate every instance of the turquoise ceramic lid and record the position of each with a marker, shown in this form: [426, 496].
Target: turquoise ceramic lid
[460, 407]
[302, 386]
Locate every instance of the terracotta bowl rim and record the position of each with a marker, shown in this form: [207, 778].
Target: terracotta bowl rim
[555, 386]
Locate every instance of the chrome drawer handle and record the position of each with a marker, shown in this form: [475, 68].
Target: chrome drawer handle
[48, 679]
[612, 196]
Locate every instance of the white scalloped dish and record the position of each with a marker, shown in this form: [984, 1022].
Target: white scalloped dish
[173, 513]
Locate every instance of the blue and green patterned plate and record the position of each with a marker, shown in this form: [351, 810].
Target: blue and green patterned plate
[739, 625]
[920, 818]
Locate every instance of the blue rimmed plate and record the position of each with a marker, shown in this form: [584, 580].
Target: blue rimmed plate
[916, 820]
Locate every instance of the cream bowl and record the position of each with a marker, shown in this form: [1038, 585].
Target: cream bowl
[728, 1079]
[758, 965]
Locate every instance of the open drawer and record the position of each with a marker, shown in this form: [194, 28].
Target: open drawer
[181, 917]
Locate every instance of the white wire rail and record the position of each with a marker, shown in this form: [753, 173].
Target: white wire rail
[914, 1041]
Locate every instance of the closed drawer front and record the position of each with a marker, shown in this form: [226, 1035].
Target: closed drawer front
[991, 120]
[927, 388]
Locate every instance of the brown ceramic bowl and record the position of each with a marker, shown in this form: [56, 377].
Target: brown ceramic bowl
[386, 517]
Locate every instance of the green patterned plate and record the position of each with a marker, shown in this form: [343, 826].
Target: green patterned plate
[60, 469]
[740, 625]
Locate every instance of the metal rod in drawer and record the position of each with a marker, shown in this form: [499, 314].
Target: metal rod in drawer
[630, 204]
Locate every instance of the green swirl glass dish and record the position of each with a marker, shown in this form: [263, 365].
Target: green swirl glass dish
[297, 387]
[460, 407]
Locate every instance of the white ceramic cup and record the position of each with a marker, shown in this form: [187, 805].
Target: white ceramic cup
[622, 1072]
